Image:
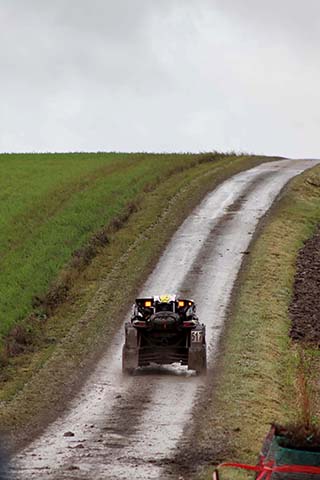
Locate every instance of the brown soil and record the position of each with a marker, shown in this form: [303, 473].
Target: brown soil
[305, 305]
[299, 437]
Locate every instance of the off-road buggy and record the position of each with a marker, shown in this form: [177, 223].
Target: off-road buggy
[163, 330]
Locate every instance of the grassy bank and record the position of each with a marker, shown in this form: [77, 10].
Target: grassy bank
[262, 375]
[50, 205]
[96, 234]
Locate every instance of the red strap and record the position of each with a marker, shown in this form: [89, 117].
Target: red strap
[267, 469]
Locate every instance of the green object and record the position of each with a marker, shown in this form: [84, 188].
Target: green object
[291, 456]
[282, 455]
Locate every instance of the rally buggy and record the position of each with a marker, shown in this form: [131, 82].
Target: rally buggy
[164, 329]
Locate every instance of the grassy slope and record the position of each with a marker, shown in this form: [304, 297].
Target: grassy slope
[261, 371]
[163, 188]
[51, 204]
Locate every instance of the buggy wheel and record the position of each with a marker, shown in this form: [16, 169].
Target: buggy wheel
[197, 359]
[203, 369]
[128, 371]
[129, 360]
[130, 350]
[127, 367]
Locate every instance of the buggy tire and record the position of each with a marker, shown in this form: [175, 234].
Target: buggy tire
[203, 369]
[130, 360]
[197, 360]
[128, 371]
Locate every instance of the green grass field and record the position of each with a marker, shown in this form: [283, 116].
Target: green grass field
[51, 204]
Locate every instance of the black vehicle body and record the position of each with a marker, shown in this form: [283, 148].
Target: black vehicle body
[164, 330]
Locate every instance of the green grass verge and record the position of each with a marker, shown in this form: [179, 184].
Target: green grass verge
[261, 369]
[164, 189]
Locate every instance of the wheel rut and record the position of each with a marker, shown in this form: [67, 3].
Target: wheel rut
[109, 439]
[212, 245]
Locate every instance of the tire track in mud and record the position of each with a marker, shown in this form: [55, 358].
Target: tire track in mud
[211, 244]
[110, 439]
[129, 428]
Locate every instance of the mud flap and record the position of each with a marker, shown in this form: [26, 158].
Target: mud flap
[197, 355]
[130, 351]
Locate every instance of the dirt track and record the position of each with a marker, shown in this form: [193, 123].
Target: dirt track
[128, 428]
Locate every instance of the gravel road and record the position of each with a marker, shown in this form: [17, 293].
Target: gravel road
[128, 428]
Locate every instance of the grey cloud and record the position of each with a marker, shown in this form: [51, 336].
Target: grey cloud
[103, 41]
[160, 75]
[302, 19]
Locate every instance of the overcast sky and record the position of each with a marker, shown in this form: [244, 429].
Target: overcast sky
[160, 75]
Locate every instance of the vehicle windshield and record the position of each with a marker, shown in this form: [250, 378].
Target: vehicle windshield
[164, 307]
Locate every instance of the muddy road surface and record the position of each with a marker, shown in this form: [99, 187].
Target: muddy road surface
[128, 427]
